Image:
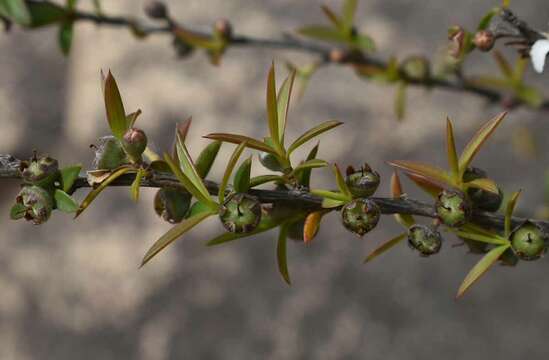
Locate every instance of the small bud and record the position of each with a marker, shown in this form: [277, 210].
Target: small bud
[528, 241]
[39, 171]
[134, 143]
[456, 35]
[270, 161]
[482, 199]
[172, 204]
[484, 40]
[38, 203]
[360, 216]
[240, 213]
[224, 28]
[156, 9]
[338, 56]
[109, 154]
[424, 239]
[453, 209]
[416, 68]
[363, 182]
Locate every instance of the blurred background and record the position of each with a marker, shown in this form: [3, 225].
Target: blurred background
[72, 288]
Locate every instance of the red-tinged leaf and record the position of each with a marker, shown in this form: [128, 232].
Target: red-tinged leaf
[385, 247]
[509, 209]
[283, 104]
[426, 185]
[332, 16]
[453, 161]
[396, 191]
[229, 169]
[312, 133]
[272, 111]
[281, 256]
[430, 173]
[480, 268]
[116, 115]
[323, 33]
[503, 64]
[173, 234]
[93, 193]
[484, 184]
[238, 139]
[181, 131]
[311, 226]
[474, 145]
[341, 184]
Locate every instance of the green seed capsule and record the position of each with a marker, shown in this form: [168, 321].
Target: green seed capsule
[528, 241]
[270, 161]
[424, 239]
[240, 213]
[172, 204]
[360, 216]
[38, 203]
[482, 199]
[40, 171]
[134, 143]
[452, 208]
[109, 154]
[363, 182]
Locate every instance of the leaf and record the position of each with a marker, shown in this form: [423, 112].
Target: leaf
[304, 177]
[341, 184]
[93, 193]
[453, 162]
[281, 256]
[197, 40]
[426, 185]
[311, 226]
[485, 238]
[400, 100]
[238, 139]
[430, 173]
[474, 145]
[509, 209]
[69, 175]
[45, 13]
[520, 69]
[480, 268]
[241, 181]
[484, 184]
[348, 14]
[328, 203]
[229, 169]
[65, 36]
[324, 33]
[64, 202]
[134, 190]
[309, 164]
[312, 133]
[187, 166]
[16, 10]
[173, 234]
[332, 16]
[529, 95]
[263, 179]
[18, 211]
[385, 247]
[131, 118]
[363, 42]
[283, 104]
[329, 194]
[503, 64]
[206, 158]
[486, 19]
[272, 112]
[116, 116]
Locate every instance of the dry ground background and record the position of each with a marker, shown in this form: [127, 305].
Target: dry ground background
[71, 289]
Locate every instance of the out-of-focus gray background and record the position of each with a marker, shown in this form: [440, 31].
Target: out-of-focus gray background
[71, 289]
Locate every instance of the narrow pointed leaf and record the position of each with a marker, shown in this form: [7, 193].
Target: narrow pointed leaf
[181, 131]
[348, 14]
[69, 175]
[93, 193]
[116, 116]
[431, 173]
[229, 169]
[311, 226]
[312, 133]
[489, 239]
[64, 202]
[332, 16]
[206, 158]
[238, 139]
[173, 234]
[281, 255]
[341, 184]
[272, 111]
[510, 208]
[309, 164]
[474, 145]
[328, 203]
[16, 10]
[329, 194]
[385, 247]
[263, 179]
[426, 185]
[323, 33]
[396, 191]
[481, 267]
[188, 168]
[283, 104]
[17, 211]
[484, 184]
[453, 161]
[197, 40]
[65, 36]
[241, 182]
[131, 118]
[134, 190]
[503, 64]
[304, 177]
[44, 13]
[486, 19]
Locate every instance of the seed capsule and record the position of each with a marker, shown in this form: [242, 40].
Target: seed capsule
[38, 203]
[134, 143]
[360, 216]
[528, 241]
[482, 199]
[424, 239]
[295, 230]
[40, 171]
[484, 40]
[452, 208]
[109, 154]
[270, 161]
[240, 213]
[363, 182]
[172, 204]
[156, 9]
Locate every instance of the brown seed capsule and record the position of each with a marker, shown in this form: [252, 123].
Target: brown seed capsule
[37, 204]
[484, 40]
[134, 143]
[156, 9]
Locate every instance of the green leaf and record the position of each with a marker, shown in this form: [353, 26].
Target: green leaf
[348, 13]
[328, 203]
[272, 111]
[308, 165]
[283, 104]
[65, 37]
[385, 247]
[45, 13]
[489, 239]
[329, 194]
[189, 170]
[93, 193]
[238, 139]
[116, 116]
[173, 234]
[474, 145]
[304, 177]
[64, 202]
[323, 33]
[18, 211]
[363, 42]
[341, 184]
[229, 169]
[241, 181]
[400, 100]
[486, 19]
[16, 10]
[503, 64]
[69, 175]
[206, 158]
[281, 256]
[452, 153]
[134, 189]
[430, 173]
[312, 133]
[263, 179]
[481, 267]
[197, 40]
[509, 209]
[332, 16]
[484, 184]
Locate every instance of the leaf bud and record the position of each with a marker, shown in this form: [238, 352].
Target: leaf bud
[425, 239]
[134, 143]
[528, 241]
[35, 204]
[172, 204]
[109, 154]
[39, 171]
[484, 40]
[362, 182]
[360, 215]
[240, 213]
